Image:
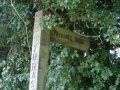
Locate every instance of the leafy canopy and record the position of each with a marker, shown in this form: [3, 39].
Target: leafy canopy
[69, 69]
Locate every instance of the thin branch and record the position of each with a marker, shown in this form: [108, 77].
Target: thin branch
[78, 33]
[85, 35]
[95, 32]
[17, 13]
[53, 11]
[23, 22]
[7, 23]
[89, 36]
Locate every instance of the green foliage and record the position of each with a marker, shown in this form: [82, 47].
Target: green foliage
[14, 46]
[69, 69]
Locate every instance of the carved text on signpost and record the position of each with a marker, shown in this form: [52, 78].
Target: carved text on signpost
[69, 38]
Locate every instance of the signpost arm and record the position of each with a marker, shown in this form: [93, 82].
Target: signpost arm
[40, 55]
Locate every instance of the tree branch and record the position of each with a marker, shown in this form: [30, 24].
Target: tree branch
[22, 21]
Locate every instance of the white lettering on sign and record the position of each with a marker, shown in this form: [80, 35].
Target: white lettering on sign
[34, 69]
[35, 57]
[40, 55]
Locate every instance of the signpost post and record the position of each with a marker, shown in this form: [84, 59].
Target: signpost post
[40, 54]
[40, 49]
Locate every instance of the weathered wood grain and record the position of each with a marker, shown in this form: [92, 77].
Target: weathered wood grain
[69, 38]
[40, 54]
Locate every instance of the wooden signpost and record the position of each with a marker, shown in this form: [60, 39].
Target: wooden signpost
[40, 49]
[40, 54]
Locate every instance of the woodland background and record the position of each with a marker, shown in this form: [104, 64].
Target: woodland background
[69, 68]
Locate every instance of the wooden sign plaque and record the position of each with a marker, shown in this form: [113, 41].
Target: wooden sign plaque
[69, 38]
